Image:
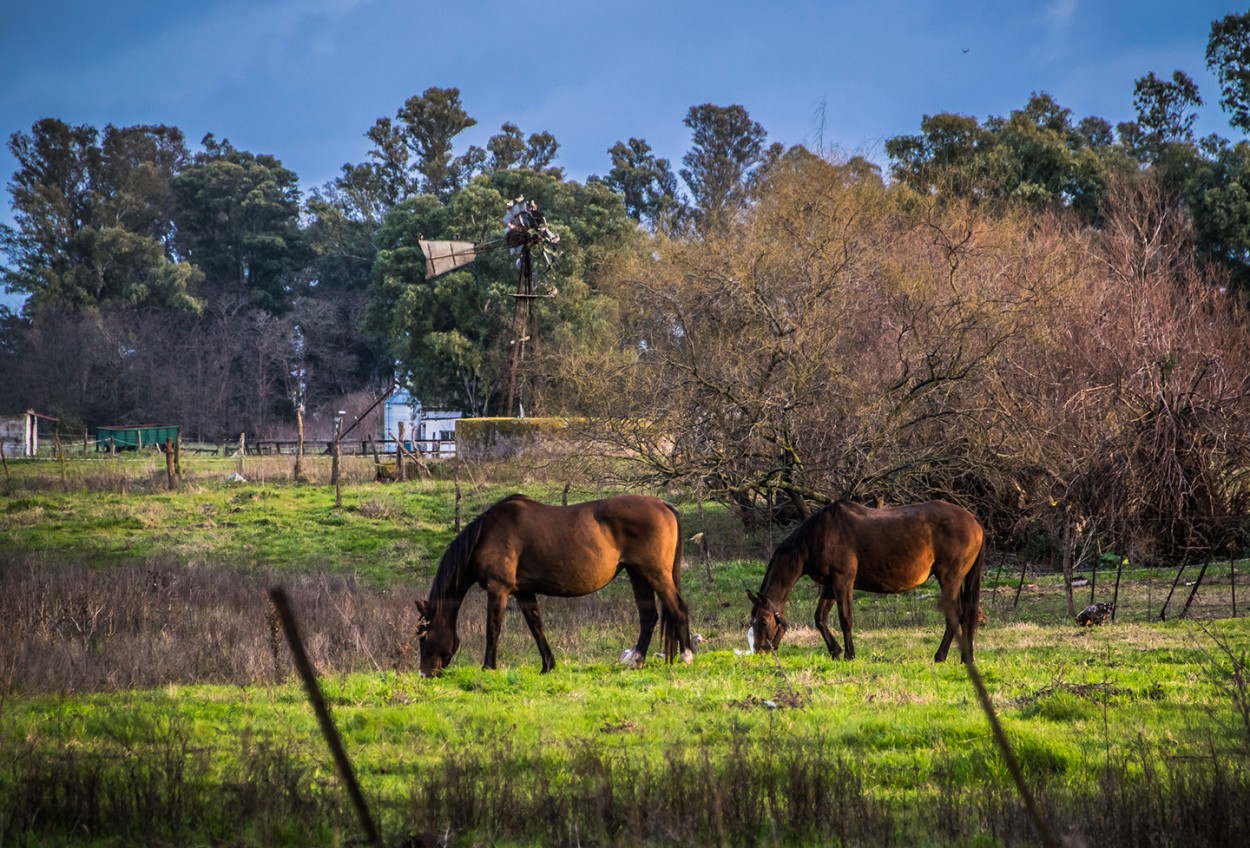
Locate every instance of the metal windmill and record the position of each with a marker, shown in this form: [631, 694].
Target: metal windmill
[525, 231]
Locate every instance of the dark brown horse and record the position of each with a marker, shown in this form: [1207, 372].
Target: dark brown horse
[525, 548]
[845, 546]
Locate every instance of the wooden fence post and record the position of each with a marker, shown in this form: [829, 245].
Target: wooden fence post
[4, 459]
[242, 451]
[298, 472]
[399, 453]
[335, 471]
[169, 461]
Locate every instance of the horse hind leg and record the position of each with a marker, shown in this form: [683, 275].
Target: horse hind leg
[644, 597]
[675, 625]
[529, 608]
[822, 625]
[844, 595]
[948, 600]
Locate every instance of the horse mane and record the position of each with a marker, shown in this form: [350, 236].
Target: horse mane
[802, 534]
[455, 561]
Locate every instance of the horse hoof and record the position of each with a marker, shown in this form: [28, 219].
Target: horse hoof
[687, 656]
[632, 659]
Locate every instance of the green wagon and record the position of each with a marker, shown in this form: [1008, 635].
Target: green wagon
[134, 437]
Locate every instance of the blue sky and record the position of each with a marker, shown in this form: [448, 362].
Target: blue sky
[304, 79]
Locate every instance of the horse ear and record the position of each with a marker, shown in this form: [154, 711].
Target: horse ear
[755, 599]
[423, 608]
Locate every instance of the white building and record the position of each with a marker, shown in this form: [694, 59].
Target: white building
[20, 434]
[430, 432]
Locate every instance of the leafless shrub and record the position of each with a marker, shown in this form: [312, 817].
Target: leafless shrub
[850, 341]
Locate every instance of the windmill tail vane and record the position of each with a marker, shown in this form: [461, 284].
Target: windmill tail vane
[525, 228]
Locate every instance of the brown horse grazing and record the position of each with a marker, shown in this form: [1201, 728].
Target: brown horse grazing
[846, 546]
[525, 548]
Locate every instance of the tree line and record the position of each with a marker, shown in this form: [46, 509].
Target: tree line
[1005, 307]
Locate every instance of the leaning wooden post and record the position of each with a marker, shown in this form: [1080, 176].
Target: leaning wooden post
[242, 451]
[306, 672]
[1163, 613]
[1194, 591]
[1115, 594]
[4, 459]
[60, 451]
[1044, 834]
[178, 455]
[1024, 564]
[169, 461]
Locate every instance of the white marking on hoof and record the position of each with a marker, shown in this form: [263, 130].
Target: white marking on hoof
[687, 656]
[632, 659]
[751, 639]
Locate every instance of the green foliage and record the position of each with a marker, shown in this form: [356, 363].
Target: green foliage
[238, 222]
[1165, 112]
[1228, 54]
[726, 149]
[94, 219]
[647, 185]
[1035, 157]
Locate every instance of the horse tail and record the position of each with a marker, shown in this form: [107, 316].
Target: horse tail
[675, 632]
[970, 595]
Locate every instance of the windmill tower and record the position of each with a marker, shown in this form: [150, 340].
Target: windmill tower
[525, 232]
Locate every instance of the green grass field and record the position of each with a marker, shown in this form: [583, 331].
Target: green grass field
[147, 699]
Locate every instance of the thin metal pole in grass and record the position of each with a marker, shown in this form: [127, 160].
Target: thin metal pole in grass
[304, 666]
[965, 649]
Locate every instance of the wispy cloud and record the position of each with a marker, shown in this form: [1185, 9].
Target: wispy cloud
[1056, 20]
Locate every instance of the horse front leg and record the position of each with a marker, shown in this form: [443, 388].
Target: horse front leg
[644, 597]
[822, 624]
[529, 608]
[496, 606]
